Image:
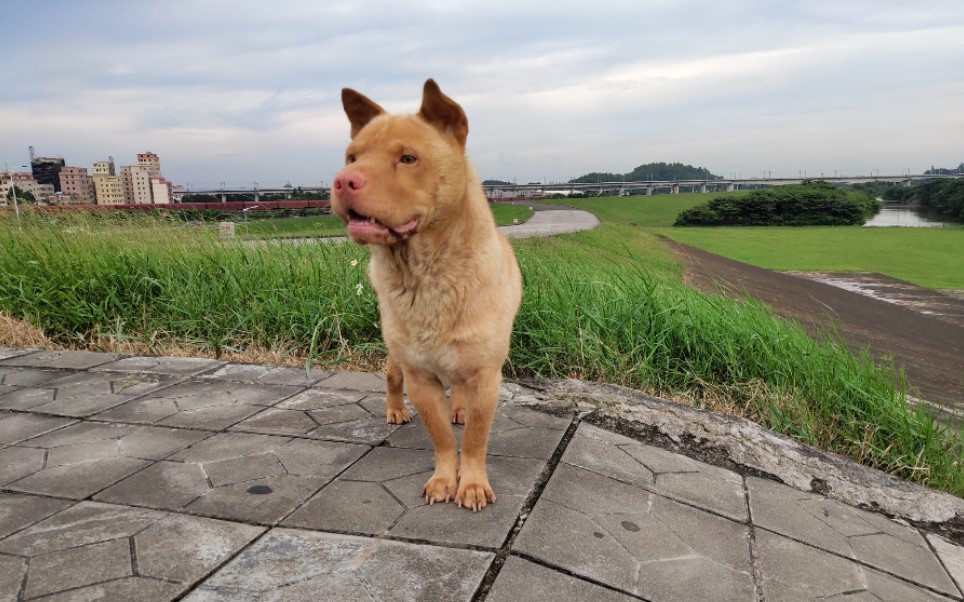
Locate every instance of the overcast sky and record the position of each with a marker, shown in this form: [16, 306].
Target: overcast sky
[250, 91]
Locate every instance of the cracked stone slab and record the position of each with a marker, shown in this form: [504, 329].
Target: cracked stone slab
[672, 475]
[541, 583]
[795, 571]
[18, 511]
[238, 476]
[381, 493]
[100, 551]
[172, 366]
[204, 405]
[952, 557]
[265, 375]
[744, 443]
[72, 360]
[9, 352]
[82, 394]
[83, 458]
[297, 566]
[833, 526]
[355, 381]
[637, 541]
[325, 414]
[27, 377]
[515, 431]
[15, 428]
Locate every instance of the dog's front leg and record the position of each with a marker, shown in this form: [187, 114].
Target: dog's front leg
[395, 412]
[427, 394]
[481, 396]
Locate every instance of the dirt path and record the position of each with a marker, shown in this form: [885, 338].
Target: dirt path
[929, 346]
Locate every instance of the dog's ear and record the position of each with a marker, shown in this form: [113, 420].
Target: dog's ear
[359, 108]
[443, 112]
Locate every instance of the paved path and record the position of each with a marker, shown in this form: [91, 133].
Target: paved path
[551, 219]
[139, 478]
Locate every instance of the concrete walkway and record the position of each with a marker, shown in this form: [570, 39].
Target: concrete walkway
[140, 478]
[549, 220]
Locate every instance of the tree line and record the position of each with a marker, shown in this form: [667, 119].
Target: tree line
[812, 203]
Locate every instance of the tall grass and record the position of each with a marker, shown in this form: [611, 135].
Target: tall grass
[606, 305]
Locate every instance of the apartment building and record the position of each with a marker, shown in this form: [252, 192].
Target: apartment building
[24, 181]
[151, 163]
[77, 186]
[136, 182]
[161, 190]
[107, 185]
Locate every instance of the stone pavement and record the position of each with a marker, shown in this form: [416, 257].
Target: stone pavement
[137, 478]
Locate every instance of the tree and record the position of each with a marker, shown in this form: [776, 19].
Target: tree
[23, 196]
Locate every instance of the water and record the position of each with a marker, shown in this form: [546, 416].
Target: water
[902, 216]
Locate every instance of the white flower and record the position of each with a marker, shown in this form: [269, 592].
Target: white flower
[358, 288]
[353, 263]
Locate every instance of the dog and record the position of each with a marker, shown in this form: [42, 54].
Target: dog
[447, 281]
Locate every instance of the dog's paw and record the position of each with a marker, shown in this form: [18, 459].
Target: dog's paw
[458, 415]
[399, 416]
[439, 489]
[474, 496]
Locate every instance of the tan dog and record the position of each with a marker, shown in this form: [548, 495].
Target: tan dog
[447, 281]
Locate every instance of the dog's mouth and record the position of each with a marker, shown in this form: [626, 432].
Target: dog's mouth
[367, 229]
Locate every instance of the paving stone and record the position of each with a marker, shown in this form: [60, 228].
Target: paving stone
[239, 476]
[174, 366]
[795, 571]
[386, 485]
[82, 394]
[536, 582]
[73, 360]
[89, 546]
[298, 566]
[841, 529]
[636, 541]
[673, 475]
[952, 556]
[265, 375]
[355, 381]
[516, 431]
[205, 405]
[15, 428]
[18, 511]
[83, 458]
[325, 414]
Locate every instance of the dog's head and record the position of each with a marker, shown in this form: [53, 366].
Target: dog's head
[402, 172]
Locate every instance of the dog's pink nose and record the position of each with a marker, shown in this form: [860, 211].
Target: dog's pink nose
[349, 181]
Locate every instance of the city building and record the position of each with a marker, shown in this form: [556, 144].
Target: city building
[107, 186]
[25, 182]
[77, 186]
[151, 163]
[161, 190]
[136, 182]
[46, 170]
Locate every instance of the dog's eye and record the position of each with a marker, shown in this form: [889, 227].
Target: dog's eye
[408, 159]
[351, 158]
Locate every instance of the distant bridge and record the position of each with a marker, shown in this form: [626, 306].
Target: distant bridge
[648, 187]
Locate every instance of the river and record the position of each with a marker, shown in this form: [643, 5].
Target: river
[892, 214]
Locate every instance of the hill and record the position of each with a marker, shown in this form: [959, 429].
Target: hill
[664, 172]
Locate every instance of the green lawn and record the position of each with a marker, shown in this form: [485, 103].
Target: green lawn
[330, 225]
[930, 257]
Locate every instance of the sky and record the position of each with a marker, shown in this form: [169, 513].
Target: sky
[242, 92]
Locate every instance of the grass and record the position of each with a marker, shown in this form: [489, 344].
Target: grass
[605, 305]
[330, 225]
[928, 257]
